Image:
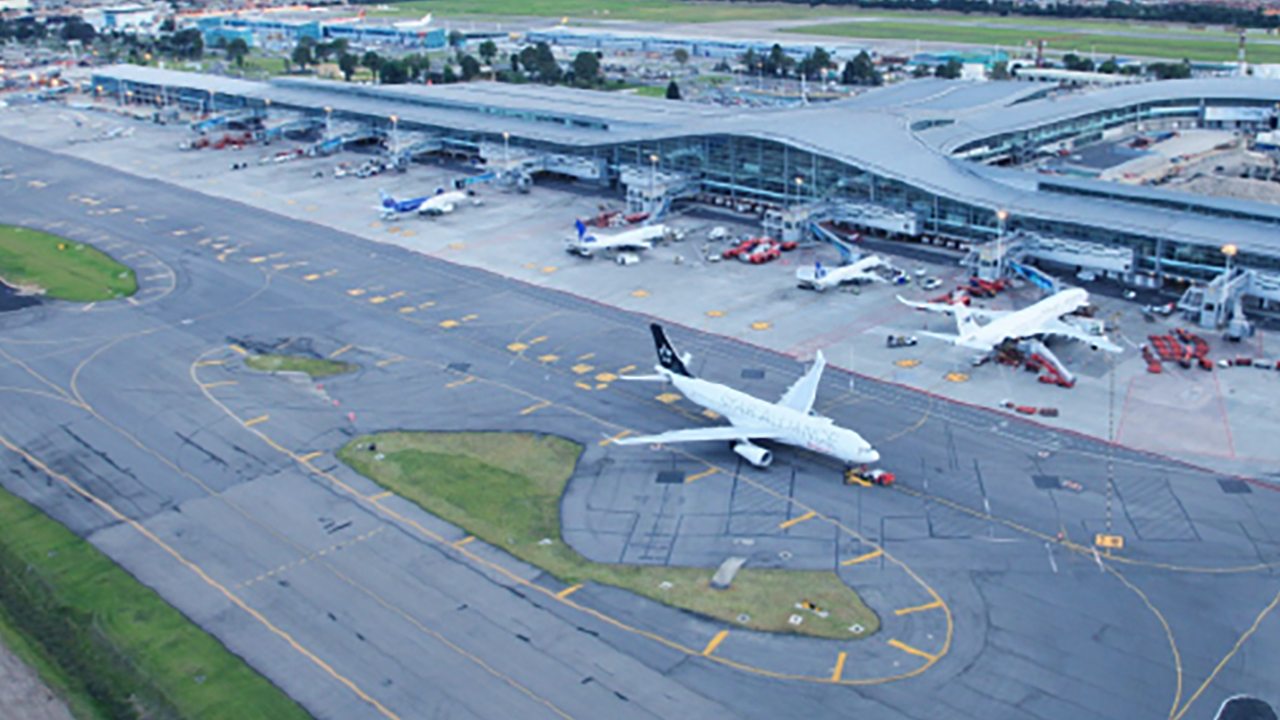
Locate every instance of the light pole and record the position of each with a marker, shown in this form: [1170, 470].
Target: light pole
[1001, 216]
[1230, 251]
[328, 118]
[394, 144]
[506, 150]
[799, 188]
[653, 173]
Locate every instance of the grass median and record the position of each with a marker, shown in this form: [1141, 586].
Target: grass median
[63, 269]
[505, 489]
[315, 367]
[111, 645]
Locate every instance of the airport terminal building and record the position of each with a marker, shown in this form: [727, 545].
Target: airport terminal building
[918, 160]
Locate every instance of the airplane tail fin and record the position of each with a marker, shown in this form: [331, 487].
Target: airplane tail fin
[581, 228]
[966, 323]
[426, 19]
[387, 200]
[667, 355]
[818, 271]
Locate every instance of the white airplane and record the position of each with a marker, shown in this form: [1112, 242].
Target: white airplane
[414, 25]
[1039, 320]
[444, 202]
[820, 278]
[640, 238]
[790, 420]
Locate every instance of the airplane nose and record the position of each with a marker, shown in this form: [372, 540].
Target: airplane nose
[872, 456]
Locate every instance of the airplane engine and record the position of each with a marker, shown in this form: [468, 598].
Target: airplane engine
[753, 454]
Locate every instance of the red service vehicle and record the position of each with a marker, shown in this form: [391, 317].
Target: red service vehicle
[866, 477]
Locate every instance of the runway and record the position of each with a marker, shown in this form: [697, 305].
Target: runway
[134, 424]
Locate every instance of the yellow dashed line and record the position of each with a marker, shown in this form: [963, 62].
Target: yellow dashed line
[356, 292]
[906, 363]
[340, 350]
[761, 325]
[396, 295]
[219, 384]
[255, 421]
[548, 358]
[449, 324]
[918, 608]
[912, 651]
[532, 408]
[204, 363]
[388, 361]
[549, 269]
[408, 309]
[715, 642]
[582, 368]
[381, 496]
[310, 456]
[378, 300]
[239, 349]
[312, 276]
[625, 370]
[606, 377]
[459, 383]
[667, 398]
[583, 385]
[797, 520]
[715, 313]
[568, 591]
[711, 414]
[588, 356]
[517, 347]
[863, 558]
[427, 304]
[468, 318]
[700, 475]
[464, 541]
[639, 293]
[540, 338]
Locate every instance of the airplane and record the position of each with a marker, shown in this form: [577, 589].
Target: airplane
[820, 279]
[640, 238]
[790, 420]
[1039, 320]
[412, 25]
[355, 19]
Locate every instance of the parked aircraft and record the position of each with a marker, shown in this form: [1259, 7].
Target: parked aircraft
[444, 202]
[790, 420]
[983, 330]
[638, 238]
[414, 25]
[820, 278]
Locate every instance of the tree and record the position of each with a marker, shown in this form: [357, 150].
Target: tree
[1109, 66]
[586, 69]
[680, 55]
[528, 58]
[371, 60]
[77, 29]
[545, 62]
[861, 70]
[348, 63]
[418, 65]
[815, 64]
[457, 39]
[1170, 71]
[448, 76]
[515, 64]
[750, 60]
[488, 51]
[1000, 70]
[393, 72]
[673, 91]
[470, 66]
[950, 70]
[920, 71]
[1072, 61]
[778, 62]
[302, 55]
[237, 48]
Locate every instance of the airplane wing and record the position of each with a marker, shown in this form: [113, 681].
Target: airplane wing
[800, 395]
[1067, 330]
[948, 309]
[722, 432]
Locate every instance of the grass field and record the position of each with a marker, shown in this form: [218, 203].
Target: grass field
[653, 91]
[315, 367]
[1221, 50]
[53, 676]
[658, 10]
[63, 269]
[194, 673]
[505, 489]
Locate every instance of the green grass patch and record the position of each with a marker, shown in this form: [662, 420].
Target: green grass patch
[51, 674]
[1083, 43]
[62, 268]
[114, 646]
[505, 489]
[657, 10]
[315, 367]
[653, 91]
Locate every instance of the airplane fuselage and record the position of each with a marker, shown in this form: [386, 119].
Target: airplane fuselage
[815, 433]
[1016, 325]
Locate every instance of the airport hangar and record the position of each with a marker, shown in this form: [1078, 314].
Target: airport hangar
[917, 160]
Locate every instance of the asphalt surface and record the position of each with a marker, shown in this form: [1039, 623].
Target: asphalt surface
[136, 425]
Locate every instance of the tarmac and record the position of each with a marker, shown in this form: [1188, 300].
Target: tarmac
[135, 424]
